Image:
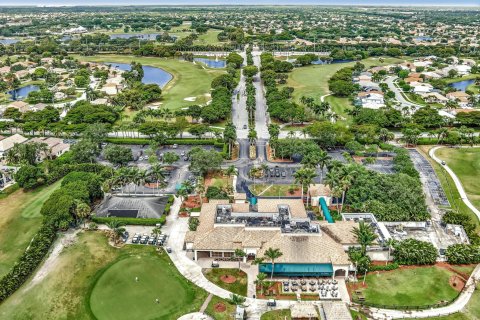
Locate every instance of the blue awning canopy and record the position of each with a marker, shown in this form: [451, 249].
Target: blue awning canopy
[298, 269]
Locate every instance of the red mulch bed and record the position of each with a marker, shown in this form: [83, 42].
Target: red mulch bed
[192, 202]
[226, 278]
[457, 283]
[219, 307]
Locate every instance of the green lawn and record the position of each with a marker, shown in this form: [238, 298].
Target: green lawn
[282, 314]
[340, 106]
[62, 293]
[19, 221]
[91, 279]
[409, 287]
[312, 81]
[474, 88]
[116, 294]
[268, 190]
[465, 162]
[189, 80]
[217, 314]
[237, 287]
[448, 185]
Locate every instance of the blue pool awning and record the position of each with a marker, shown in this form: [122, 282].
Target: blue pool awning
[298, 269]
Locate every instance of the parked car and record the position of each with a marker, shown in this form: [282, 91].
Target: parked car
[135, 240]
[169, 250]
[244, 126]
[175, 146]
[152, 241]
[271, 303]
[284, 174]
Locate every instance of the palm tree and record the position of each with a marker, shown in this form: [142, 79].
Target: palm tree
[117, 229]
[236, 299]
[157, 231]
[200, 189]
[239, 253]
[82, 211]
[304, 176]
[323, 160]
[347, 176]
[261, 281]
[156, 173]
[272, 255]
[365, 235]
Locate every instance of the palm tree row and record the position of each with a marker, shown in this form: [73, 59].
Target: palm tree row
[128, 175]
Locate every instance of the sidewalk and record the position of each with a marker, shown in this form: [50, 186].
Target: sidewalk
[456, 180]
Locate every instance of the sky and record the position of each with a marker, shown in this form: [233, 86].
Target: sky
[245, 2]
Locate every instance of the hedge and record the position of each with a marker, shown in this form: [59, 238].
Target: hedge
[131, 221]
[200, 142]
[28, 262]
[43, 239]
[382, 267]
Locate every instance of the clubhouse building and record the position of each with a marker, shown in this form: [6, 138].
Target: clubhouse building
[309, 247]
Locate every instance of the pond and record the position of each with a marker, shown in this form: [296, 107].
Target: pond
[212, 63]
[141, 36]
[462, 85]
[150, 74]
[22, 93]
[423, 38]
[8, 41]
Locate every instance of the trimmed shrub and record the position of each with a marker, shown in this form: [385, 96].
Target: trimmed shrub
[131, 221]
[463, 254]
[388, 267]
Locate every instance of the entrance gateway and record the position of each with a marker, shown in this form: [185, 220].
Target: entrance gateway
[298, 269]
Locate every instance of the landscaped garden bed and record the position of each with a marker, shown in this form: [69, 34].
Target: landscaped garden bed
[233, 280]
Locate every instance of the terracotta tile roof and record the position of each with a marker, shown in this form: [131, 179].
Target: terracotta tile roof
[306, 248]
[340, 231]
[297, 209]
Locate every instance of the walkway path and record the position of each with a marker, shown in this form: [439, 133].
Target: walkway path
[456, 180]
[455, 307]
[205, 303]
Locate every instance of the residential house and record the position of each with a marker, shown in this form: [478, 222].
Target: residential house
[434, 97]
[372, 99]
[8, 143]
[20, 106]
[55, 146]
[461, 97]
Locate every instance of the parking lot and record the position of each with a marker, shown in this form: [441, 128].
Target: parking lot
[428, 173]
[178, 172]
[382, 166]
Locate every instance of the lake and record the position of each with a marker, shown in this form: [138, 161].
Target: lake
[424, 38]
[22, 93]
[150, 74]
[462, 85]
[8, 41]
[212, 63]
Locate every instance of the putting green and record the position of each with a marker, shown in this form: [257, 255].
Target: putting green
[117, 295]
